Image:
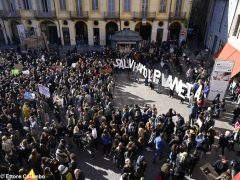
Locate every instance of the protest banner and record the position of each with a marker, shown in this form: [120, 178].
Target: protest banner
[44, 90]
[169, 82]
[220, 77]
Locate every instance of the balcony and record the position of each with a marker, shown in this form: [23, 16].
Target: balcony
[177, 15]
[44, 14]
[144, 15]
[9, 14]
[111, 15]
[78, 15]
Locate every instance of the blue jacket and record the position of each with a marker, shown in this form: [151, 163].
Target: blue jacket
[106, 139]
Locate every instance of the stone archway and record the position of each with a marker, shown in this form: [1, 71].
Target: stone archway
[81, 32]
[49, 28]
[145, 30]
[111, 28]
[174, 31]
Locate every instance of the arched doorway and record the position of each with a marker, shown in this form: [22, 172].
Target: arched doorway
[174, 30]
[111, 28]
[15, 37]
[50, 30]
[145, 30]
[81, 33]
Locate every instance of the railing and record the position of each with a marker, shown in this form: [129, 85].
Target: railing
[111, 15]
[44, 14]
[144, 14]
[77, 14]
[177, 15]
[9, 14]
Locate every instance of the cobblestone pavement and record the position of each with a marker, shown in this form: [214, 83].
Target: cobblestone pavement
[129, 92]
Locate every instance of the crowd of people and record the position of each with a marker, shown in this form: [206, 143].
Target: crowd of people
[40, 132]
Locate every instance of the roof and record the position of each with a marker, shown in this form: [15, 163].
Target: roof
[126, 36]
[229, 53]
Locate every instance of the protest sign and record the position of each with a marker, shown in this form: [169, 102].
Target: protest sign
[27, 72]
[44, 90]
[15, 72]
[29, 96]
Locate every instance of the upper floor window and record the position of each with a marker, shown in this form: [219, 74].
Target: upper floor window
[111, 5]
[12, 6]
[45, 5]
[26, 4]
[79, 6]
[178, 6]
[236, 27]
[127, 5]
[163, 5]
[62, 4]
[94, 5]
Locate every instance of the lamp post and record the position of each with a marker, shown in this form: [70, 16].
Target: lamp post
[119, 9]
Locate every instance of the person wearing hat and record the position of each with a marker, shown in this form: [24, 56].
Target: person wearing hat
[65, 174]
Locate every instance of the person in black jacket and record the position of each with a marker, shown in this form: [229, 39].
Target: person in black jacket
[221, 165]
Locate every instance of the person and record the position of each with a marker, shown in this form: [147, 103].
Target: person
[221, 165]
[65, 174]
[164, 173]
[223, 143]
[181, 166]
[159, 145]
[107, 142]
[79, 175]
[236, 113]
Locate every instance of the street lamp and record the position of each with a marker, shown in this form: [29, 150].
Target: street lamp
[119, 9]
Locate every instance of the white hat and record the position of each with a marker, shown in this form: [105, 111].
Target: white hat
[62, 169]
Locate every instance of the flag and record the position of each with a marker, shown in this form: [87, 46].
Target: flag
[31, 176]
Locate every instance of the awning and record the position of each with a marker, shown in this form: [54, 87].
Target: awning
[229, 53]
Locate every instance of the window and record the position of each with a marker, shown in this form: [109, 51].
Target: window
[94, 5]
[45, 5]
[27, 4]
[178, 6]
[111, 6]
[127, 5]
[163, 5]
[236, 26]
[79, 6]
[62, 4]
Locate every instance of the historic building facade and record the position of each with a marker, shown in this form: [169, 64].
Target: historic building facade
[223, 22]
[72, 22]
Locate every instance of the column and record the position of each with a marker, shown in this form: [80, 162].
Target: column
[165, 31]
[72, 32]
[102, 29]
[154, 31]
[90, 32]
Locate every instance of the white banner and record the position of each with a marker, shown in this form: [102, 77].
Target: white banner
[220, 77]
[170, 82]
[21, 32]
